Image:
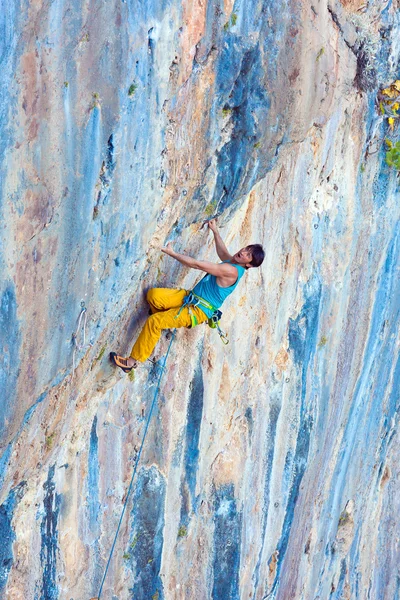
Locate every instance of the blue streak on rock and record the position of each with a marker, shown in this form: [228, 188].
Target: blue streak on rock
[7, 534]
[299, 466]
[90, 168]
[110, 159]
[106, 176]
[303, 330]
[302, 343]
[274, 412]
[353, 559]
[209, 40]
[93, 479]
[250, 421]
[227, 536]
[94, 506]
[381, 183]
[28, 414]
[9, 359]
[9, 35]
[397, 591]
[381, 376]
[147, 540]
[149, 12]
[49, 538]
[249, 104]
[243, 68]
[363, 428]
[4, 460]
[30, 411]
[386, 307]
[75, 243]
[27, 417]
[383, 62]
[193, 419]
[392, 410]
[7, 538]
[339, 588]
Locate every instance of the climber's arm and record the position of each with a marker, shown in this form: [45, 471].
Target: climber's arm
[219, 270]
[220, 247]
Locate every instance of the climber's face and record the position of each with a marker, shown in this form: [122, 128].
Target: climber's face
[243, 257]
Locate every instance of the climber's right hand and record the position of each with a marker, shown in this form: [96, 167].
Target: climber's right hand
[212, 224]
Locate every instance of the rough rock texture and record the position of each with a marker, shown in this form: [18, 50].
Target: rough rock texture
[270, 469]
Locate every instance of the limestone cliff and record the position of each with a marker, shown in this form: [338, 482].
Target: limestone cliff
[270, 468]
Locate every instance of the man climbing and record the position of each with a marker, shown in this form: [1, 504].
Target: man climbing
[172, 308]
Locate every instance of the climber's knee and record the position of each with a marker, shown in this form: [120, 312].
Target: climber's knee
[155, 321]
[151, 296]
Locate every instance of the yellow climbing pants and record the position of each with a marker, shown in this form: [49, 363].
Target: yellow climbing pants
[164, 304]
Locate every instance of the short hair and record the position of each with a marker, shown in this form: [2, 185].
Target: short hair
[257, 253]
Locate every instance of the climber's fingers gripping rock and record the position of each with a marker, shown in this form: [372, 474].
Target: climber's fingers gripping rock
[167, 249]
[212, 224]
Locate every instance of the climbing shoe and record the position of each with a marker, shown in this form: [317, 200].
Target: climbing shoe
[121, 362]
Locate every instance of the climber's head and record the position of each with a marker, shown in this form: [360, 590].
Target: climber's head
[250, 256]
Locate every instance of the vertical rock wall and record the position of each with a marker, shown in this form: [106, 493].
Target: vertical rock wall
[270, 466]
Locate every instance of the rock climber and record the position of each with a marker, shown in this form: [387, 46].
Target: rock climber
[172, 308]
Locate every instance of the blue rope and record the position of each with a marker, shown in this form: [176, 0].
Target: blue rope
[136, 464]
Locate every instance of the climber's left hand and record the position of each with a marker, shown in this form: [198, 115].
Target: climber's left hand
[168, 249]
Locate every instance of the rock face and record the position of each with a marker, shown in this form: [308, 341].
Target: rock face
[270, 466]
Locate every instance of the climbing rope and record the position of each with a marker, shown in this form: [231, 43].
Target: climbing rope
[77, 346]
[135, 467]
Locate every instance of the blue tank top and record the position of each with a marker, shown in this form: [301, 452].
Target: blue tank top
[208, 289]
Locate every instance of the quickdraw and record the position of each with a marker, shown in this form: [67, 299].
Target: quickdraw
[193, 299]
[213, 322]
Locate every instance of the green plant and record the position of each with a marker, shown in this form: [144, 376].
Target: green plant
[85, 37]
[257, 145]
[126, 556]
[182, 531]
[226, 112]
[344, 518]
[393, 155]
[134, 541]
[389, 103]
[96, 100]
[131, 375]
[320, 53]
[101, 353]
[232, 21]
[210, 209]
[103, 348]
[155, 596]
[50, 440]
[132, 89]
[66, 84]
[322, 341]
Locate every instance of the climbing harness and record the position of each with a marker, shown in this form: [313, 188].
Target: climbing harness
[75, 335]
[193, 299]
[135, 467]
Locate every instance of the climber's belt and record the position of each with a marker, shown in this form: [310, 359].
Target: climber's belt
[193, 299]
